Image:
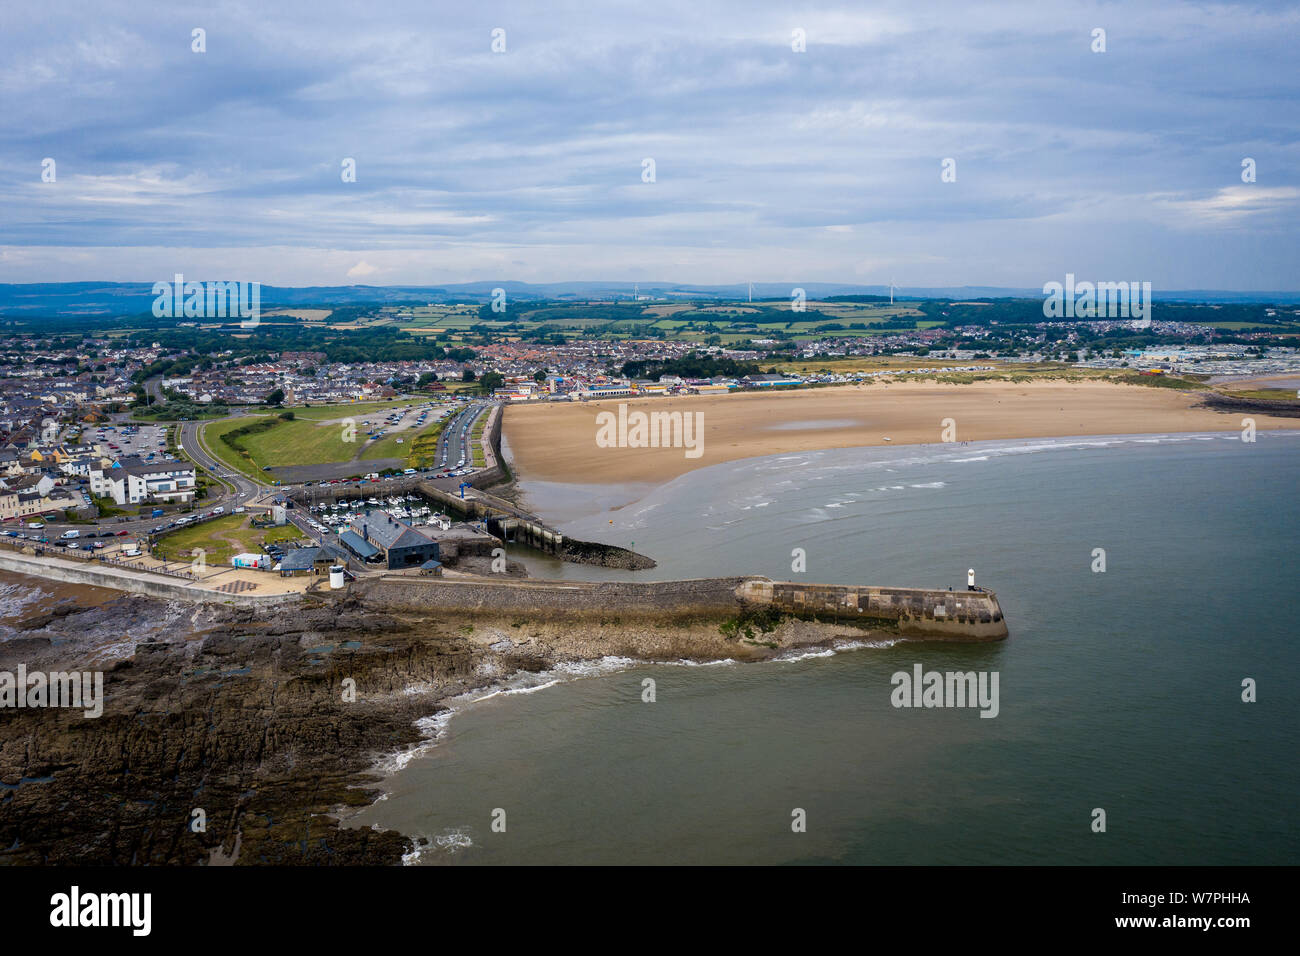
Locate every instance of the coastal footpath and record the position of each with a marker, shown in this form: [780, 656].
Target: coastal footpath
[133, 581]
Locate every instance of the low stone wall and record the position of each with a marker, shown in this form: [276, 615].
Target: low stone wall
[134, 582]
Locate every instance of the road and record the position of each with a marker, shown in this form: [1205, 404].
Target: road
[153, 388]
[246, 489]
[453, 444]
[300, 520]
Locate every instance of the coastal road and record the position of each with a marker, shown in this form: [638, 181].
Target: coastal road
[300, 520]
[189, 439]
[454, 442]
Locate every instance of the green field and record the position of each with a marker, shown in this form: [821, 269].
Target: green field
[220, 539]
[314, 437]
[387, 446]
[324, 413]
[1265, 394]
[299, 442]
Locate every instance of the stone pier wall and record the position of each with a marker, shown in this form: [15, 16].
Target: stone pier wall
[908, 612]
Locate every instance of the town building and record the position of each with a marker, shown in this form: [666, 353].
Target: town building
[394, 542]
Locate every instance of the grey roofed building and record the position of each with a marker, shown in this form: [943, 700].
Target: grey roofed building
[299, 559]
[358, 545]
[402, 545]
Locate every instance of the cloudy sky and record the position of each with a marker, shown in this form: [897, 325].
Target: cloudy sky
[769, 164]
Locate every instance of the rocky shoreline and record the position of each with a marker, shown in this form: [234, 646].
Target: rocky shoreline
[274, 724]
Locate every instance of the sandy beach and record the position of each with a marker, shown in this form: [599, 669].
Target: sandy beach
[557, 441]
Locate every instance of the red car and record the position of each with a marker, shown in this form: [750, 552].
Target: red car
[121, 534]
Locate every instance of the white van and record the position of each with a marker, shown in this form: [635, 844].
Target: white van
[218, 510]
[131, 551]
[71, 534]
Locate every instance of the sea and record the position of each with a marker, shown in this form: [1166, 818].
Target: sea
[1147, 693]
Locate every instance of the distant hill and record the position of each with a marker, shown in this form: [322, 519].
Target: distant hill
[129, 298]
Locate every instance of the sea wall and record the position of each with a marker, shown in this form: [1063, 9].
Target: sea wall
[136, 582]
[914, 612]
[704, 597]
[908, 612]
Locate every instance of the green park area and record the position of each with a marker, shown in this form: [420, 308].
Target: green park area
[250, 444]
[417, 447]
[324, 413]
[221, 539]
[317, 436]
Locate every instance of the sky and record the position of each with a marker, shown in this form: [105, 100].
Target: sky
[770, 163]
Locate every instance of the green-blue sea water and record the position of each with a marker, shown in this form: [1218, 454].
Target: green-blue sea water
[1118, 690]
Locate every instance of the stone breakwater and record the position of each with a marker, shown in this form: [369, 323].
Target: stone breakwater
[906, 612]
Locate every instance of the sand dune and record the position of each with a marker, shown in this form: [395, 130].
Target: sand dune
[557, 441]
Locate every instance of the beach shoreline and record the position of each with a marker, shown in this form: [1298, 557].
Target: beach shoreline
[556, 442]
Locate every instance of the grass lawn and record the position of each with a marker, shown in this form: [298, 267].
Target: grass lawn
[387, 446]
[324, 413]
[1266, 394]
[211, 434]
[286, 443]
[221, 539]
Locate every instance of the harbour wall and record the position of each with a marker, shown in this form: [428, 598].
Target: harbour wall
[503, 520]
[909, 612]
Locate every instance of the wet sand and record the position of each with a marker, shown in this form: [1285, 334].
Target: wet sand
[23, 597]
[557, 441]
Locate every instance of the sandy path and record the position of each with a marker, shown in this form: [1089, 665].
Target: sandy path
[557, 441]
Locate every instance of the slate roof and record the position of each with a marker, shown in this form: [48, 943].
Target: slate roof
[389, 533]
[358, 544]
[299, 559]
